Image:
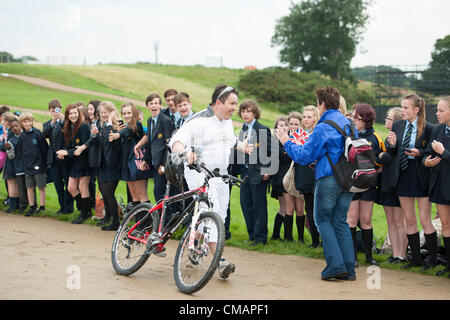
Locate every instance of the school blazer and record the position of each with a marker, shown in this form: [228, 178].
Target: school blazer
[261, 139]
[398, 127]
[94, 150]
[443, 168]
[157, 140]
[57, 143]
[82, 135]
[387, 182]
[108, 152]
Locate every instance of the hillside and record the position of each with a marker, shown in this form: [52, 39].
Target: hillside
[134, 81]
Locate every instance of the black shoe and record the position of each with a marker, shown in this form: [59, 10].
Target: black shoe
[112, 227]
[41, 209]
[399, 260]
[314, 246]
[102, 222]
[79, 219]
[442, 272]
[391, 259]
[10, 210]
[372, 262]
[257, 242]
[337, 276]
[30, 211]
[427, 266]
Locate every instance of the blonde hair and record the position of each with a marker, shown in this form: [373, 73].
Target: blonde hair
[396, 113]
[295, 115]
[315, 111]
[110, 108]
[135, 117]
[25, 116]
[446, 99]
[342, 105]
[418, 102]
[8, 116]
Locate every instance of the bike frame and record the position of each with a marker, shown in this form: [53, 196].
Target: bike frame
[199, 194]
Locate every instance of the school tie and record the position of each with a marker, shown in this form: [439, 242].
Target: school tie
[172, 117]
[54, 137]
[245, 129]
[180, 123]
[406, 143]
[153, 126]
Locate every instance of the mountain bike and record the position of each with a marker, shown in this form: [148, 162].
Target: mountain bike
[200, 247]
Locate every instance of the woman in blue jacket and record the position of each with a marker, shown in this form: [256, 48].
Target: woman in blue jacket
[331, 202]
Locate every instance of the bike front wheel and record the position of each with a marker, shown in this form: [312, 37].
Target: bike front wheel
[194, 268]
[128, 252]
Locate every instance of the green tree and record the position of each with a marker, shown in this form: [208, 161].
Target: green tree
[436, 79]
[321, 35]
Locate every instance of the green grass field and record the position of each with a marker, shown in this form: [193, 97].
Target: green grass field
[136, 81]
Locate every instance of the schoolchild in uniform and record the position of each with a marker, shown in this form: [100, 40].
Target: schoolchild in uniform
[305, 177]
[407, 142]
[130, 135]
[33, 147]
[437, 157]
[53, 130]
[13, 169]
[294, 203]
[184, 108]
[92, 111]
[171, 110]
[159, 131]
[253, 193]
[277, 180]
[76, 134]
[388, 198]
[361, 206]
[109, 169]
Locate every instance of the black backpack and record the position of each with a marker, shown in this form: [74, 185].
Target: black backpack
[355, 170]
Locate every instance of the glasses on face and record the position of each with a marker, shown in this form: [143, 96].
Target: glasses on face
[390, 119]
[357, 119]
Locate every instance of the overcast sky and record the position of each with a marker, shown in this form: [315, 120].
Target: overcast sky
[399, 32]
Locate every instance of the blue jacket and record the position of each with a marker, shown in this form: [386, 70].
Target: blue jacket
[324, 139]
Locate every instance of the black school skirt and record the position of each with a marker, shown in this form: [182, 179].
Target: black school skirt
[437, 194]
[387, 199]
[409, 183]
[369, 195]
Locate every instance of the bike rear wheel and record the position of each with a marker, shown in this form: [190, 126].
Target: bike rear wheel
[193, 269]
[129, 255]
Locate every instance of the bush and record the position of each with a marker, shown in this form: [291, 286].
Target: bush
[289, 90]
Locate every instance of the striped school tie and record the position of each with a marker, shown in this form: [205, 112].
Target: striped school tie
[246, 133]
[406, 143]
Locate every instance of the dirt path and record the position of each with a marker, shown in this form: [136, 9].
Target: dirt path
[57, 86]
[37, 253]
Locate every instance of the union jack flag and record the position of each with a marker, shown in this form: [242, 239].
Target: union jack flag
[299, 137]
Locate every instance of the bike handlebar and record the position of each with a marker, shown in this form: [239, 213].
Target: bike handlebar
[200, 166]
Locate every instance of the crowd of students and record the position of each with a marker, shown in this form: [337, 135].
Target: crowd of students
[99, 143]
